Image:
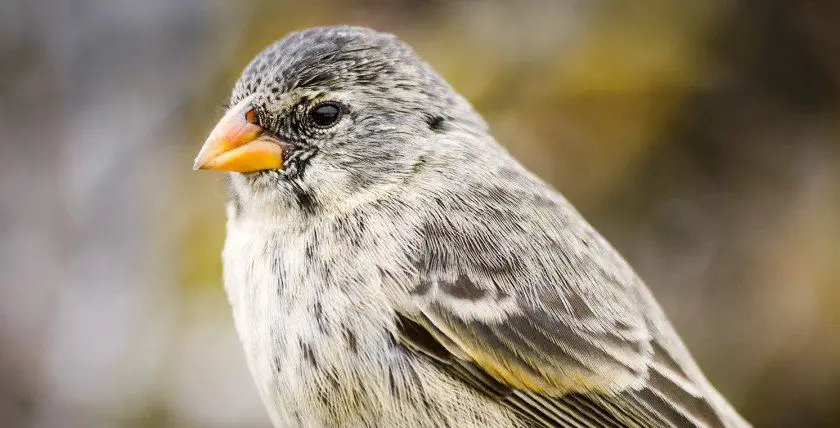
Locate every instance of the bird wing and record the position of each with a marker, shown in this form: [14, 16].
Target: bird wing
[551, 322]
[556, 377]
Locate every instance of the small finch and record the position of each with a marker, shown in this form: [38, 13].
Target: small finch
[390, 265]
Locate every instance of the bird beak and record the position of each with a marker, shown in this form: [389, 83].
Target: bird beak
[238, 144]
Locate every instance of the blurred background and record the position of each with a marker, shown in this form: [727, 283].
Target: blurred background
[701, 137]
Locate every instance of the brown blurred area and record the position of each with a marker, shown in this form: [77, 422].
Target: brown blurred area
[701, 137]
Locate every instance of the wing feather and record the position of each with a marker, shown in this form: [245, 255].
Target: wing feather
[659, 402]
[549, 321]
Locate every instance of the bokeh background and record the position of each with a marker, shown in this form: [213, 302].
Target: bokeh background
[701, 137]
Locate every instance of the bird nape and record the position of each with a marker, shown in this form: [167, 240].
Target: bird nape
[389, 264]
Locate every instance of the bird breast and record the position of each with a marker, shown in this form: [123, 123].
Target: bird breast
[313, 336]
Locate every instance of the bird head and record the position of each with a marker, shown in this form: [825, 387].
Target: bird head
[330, 117]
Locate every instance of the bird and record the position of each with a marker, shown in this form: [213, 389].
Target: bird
[389, 264]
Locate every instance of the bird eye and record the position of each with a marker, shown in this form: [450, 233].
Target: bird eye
[325, 114]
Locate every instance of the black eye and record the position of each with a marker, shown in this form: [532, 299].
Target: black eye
[325, 114]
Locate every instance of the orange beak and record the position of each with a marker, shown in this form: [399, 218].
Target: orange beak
[238, 144]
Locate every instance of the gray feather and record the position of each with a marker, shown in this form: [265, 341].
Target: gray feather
[403, 270]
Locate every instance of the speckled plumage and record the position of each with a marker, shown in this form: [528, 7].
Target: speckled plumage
[403, 270]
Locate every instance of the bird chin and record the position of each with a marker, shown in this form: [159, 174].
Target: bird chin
[254, 184]
[269, 187]
[262, 180]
